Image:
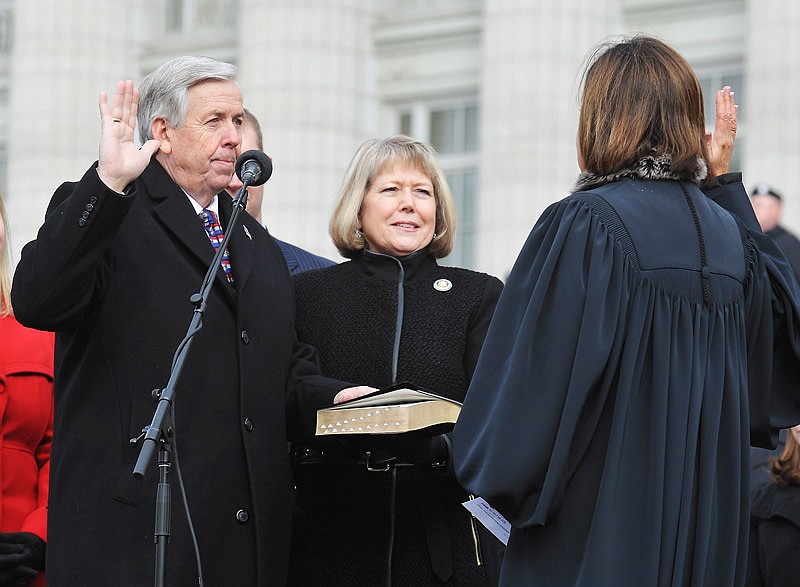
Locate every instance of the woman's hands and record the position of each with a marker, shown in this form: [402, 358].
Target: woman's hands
[720, 143]
[349, 393]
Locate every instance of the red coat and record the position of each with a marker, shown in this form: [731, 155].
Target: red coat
[26, 412]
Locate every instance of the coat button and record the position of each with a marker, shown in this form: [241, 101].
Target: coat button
[242, 516]
[89, 207]
[93, 199]
[248, 424]
[85, 215]
[82, 222]
[245, 337]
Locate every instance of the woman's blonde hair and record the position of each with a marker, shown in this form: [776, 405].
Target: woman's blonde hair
[640, 97]
[5, 265]
[371, 158]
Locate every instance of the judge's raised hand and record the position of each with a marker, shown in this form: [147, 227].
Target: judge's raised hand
[121, 161]
[720, 143]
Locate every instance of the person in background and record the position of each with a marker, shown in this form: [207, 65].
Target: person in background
[297, 259]
[26, 433]
[647, 333]
[378, 511]
[113, 271]
[773, 559]
[768, 205]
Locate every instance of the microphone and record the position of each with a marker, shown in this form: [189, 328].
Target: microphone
[253, 167]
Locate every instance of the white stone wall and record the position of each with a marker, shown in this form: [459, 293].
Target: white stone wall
[322, 75]
[65, 53]
[772, 148]
[307, 72]
[533, 52]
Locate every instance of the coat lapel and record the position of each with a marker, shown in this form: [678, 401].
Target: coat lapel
[176, 215]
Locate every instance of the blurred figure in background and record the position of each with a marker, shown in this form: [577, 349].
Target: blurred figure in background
[768, 205]
[774, 556]
[297, 259]
[26, 413]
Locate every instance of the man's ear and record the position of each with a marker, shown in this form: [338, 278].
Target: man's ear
[159, 128]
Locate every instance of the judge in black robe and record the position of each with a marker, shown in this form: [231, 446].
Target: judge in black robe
[646, 331]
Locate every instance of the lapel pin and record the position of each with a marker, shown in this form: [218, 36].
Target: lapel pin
[442, 285]
[247, 232]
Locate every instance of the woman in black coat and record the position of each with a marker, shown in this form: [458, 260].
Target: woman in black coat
[391, 314]
[774, 556]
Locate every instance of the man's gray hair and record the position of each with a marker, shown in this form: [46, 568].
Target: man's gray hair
[163, 93]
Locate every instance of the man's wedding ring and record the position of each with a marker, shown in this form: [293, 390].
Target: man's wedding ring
[116, 120]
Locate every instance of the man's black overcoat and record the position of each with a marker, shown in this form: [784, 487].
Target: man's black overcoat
[113, 275]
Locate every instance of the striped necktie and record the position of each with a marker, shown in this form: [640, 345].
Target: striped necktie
[215, 235]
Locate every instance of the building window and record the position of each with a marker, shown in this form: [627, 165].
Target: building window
[455, 130]
[405, 124]
[452, 129]
[6, 28]
[174, 16]
[191, 15]
[3, 167]
[4, 124]
[464, 185]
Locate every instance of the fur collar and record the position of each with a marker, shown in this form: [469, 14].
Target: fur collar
[649, 167]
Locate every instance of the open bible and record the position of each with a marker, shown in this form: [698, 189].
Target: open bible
[398, 409]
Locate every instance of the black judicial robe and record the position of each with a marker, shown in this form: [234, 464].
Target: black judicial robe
[636, 347]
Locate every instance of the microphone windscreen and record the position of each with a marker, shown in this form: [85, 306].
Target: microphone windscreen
[254, 161]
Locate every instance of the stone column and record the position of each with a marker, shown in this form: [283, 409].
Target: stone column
[771, 137]
[532, 56]
[65, 53]
[307, 73]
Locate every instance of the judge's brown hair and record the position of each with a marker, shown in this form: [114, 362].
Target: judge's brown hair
[640, 97]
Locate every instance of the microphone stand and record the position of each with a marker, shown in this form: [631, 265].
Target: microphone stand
[160, 431]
